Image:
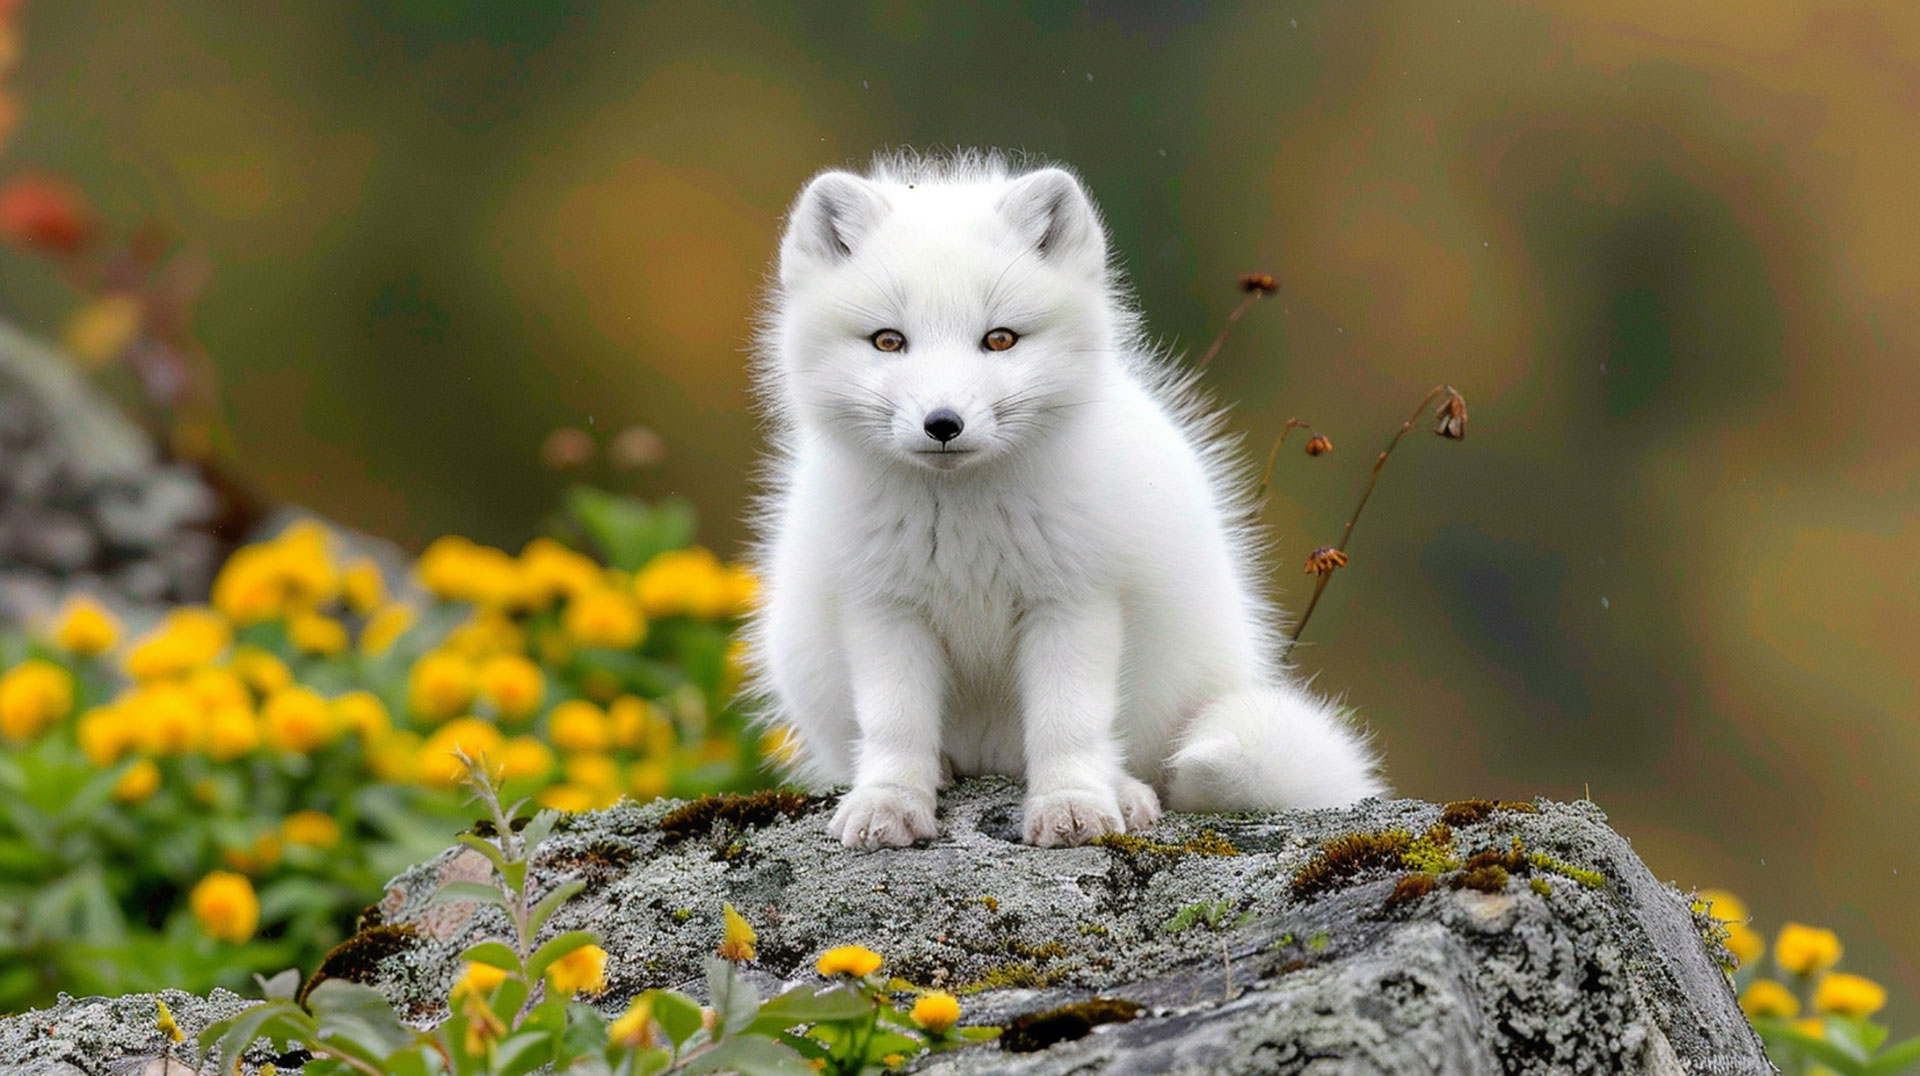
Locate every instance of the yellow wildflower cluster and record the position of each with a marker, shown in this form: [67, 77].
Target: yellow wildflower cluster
[1805, 958]
[304, 674]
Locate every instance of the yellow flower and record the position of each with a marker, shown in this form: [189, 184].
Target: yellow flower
[316, 633]
[484, 1026]
[736, 944]
[165, 718]
[141, 780]
[627, 721]
[685, 582]
[853, 960]
[440, 756]
[364, 714]
[186, 638]
[363, 585]
[311, 828]
[479, 980]
[583, 971]
[225, 906]
[297, 719]
[85, 627]
[1745, 943]
[578, 725]
[1848, 995]
[440, 685]
[780, 745]
[742, 589]
[1767, 998]
[456, 569]
[104, 735]
[164, 1022]
[384, 628]
[549, 570]
[634, 1028]
[893, 1060]
[648, 780]
[33, 695]
[513, 684]
[487, 632]
[1813, 1026]
[718, 749]
[102, 330]
[248, 588]
[260, 670]
[394, 756]
[525, 756]
[572, 799]
[211, 687]
[232, 731]
[257, 857]
[1804, 950]
[603, 618]
[304, 555]
[593, 771]
[937, 1012]
[1721, 905]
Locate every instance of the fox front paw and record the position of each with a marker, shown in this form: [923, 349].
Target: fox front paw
[1139, 804]
[883, 816]
[1073, 816]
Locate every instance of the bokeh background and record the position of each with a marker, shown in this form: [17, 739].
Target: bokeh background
[1667, 250]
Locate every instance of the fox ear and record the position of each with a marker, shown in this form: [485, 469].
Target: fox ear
[1050, 210]
[829, 219]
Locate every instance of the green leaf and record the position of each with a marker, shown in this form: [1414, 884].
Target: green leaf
[750, 1056]
[537, 831]
[486, 848]
[231, 1037]
[734, 999]
[521, 1053]
[1897, 1058]
[469, 892]
[977, 1034]
[1835, 1057]
[809, 1005]
[494, 954]
[677, 1015]
[359, 1014]
[550, 903]
[646, 1062]
[627, 531]
[281, 986]
[558, 947]
[882, 1043]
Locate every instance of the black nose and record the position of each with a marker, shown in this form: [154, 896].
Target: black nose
[943, 425]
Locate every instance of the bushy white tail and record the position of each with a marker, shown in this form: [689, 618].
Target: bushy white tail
[1268, 748]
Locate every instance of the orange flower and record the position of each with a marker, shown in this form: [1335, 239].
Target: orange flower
[45, 213]
[1319, 445]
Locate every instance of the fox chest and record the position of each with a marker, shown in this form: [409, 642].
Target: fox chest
[971, 567]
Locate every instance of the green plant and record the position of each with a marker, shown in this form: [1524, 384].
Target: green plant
[516, 1008]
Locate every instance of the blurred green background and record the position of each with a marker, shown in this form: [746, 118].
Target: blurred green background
[1667, 250]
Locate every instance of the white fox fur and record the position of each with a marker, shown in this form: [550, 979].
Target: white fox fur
[1066, 588]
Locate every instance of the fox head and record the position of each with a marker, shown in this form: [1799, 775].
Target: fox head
[943, 320]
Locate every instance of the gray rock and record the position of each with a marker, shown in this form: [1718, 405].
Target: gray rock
[1238, 966]
[86, 494]
[1609, 977]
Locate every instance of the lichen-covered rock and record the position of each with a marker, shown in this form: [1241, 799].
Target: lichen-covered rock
[1531, 941]
[1523, 938]
[86, 502]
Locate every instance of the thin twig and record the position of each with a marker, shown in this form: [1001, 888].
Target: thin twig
[1346, 535]
[1273, 454]
[1220, 339]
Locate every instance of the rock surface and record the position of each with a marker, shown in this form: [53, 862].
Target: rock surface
[1569, 958]
[86, 502]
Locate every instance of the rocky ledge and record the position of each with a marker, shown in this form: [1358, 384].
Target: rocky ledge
[1392, 937]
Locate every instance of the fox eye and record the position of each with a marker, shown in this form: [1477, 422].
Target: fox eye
[1000, 340]
[889, 340]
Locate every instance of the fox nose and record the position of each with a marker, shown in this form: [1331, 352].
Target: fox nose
[944, 425]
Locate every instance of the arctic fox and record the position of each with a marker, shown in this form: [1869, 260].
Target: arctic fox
[1000, 535]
